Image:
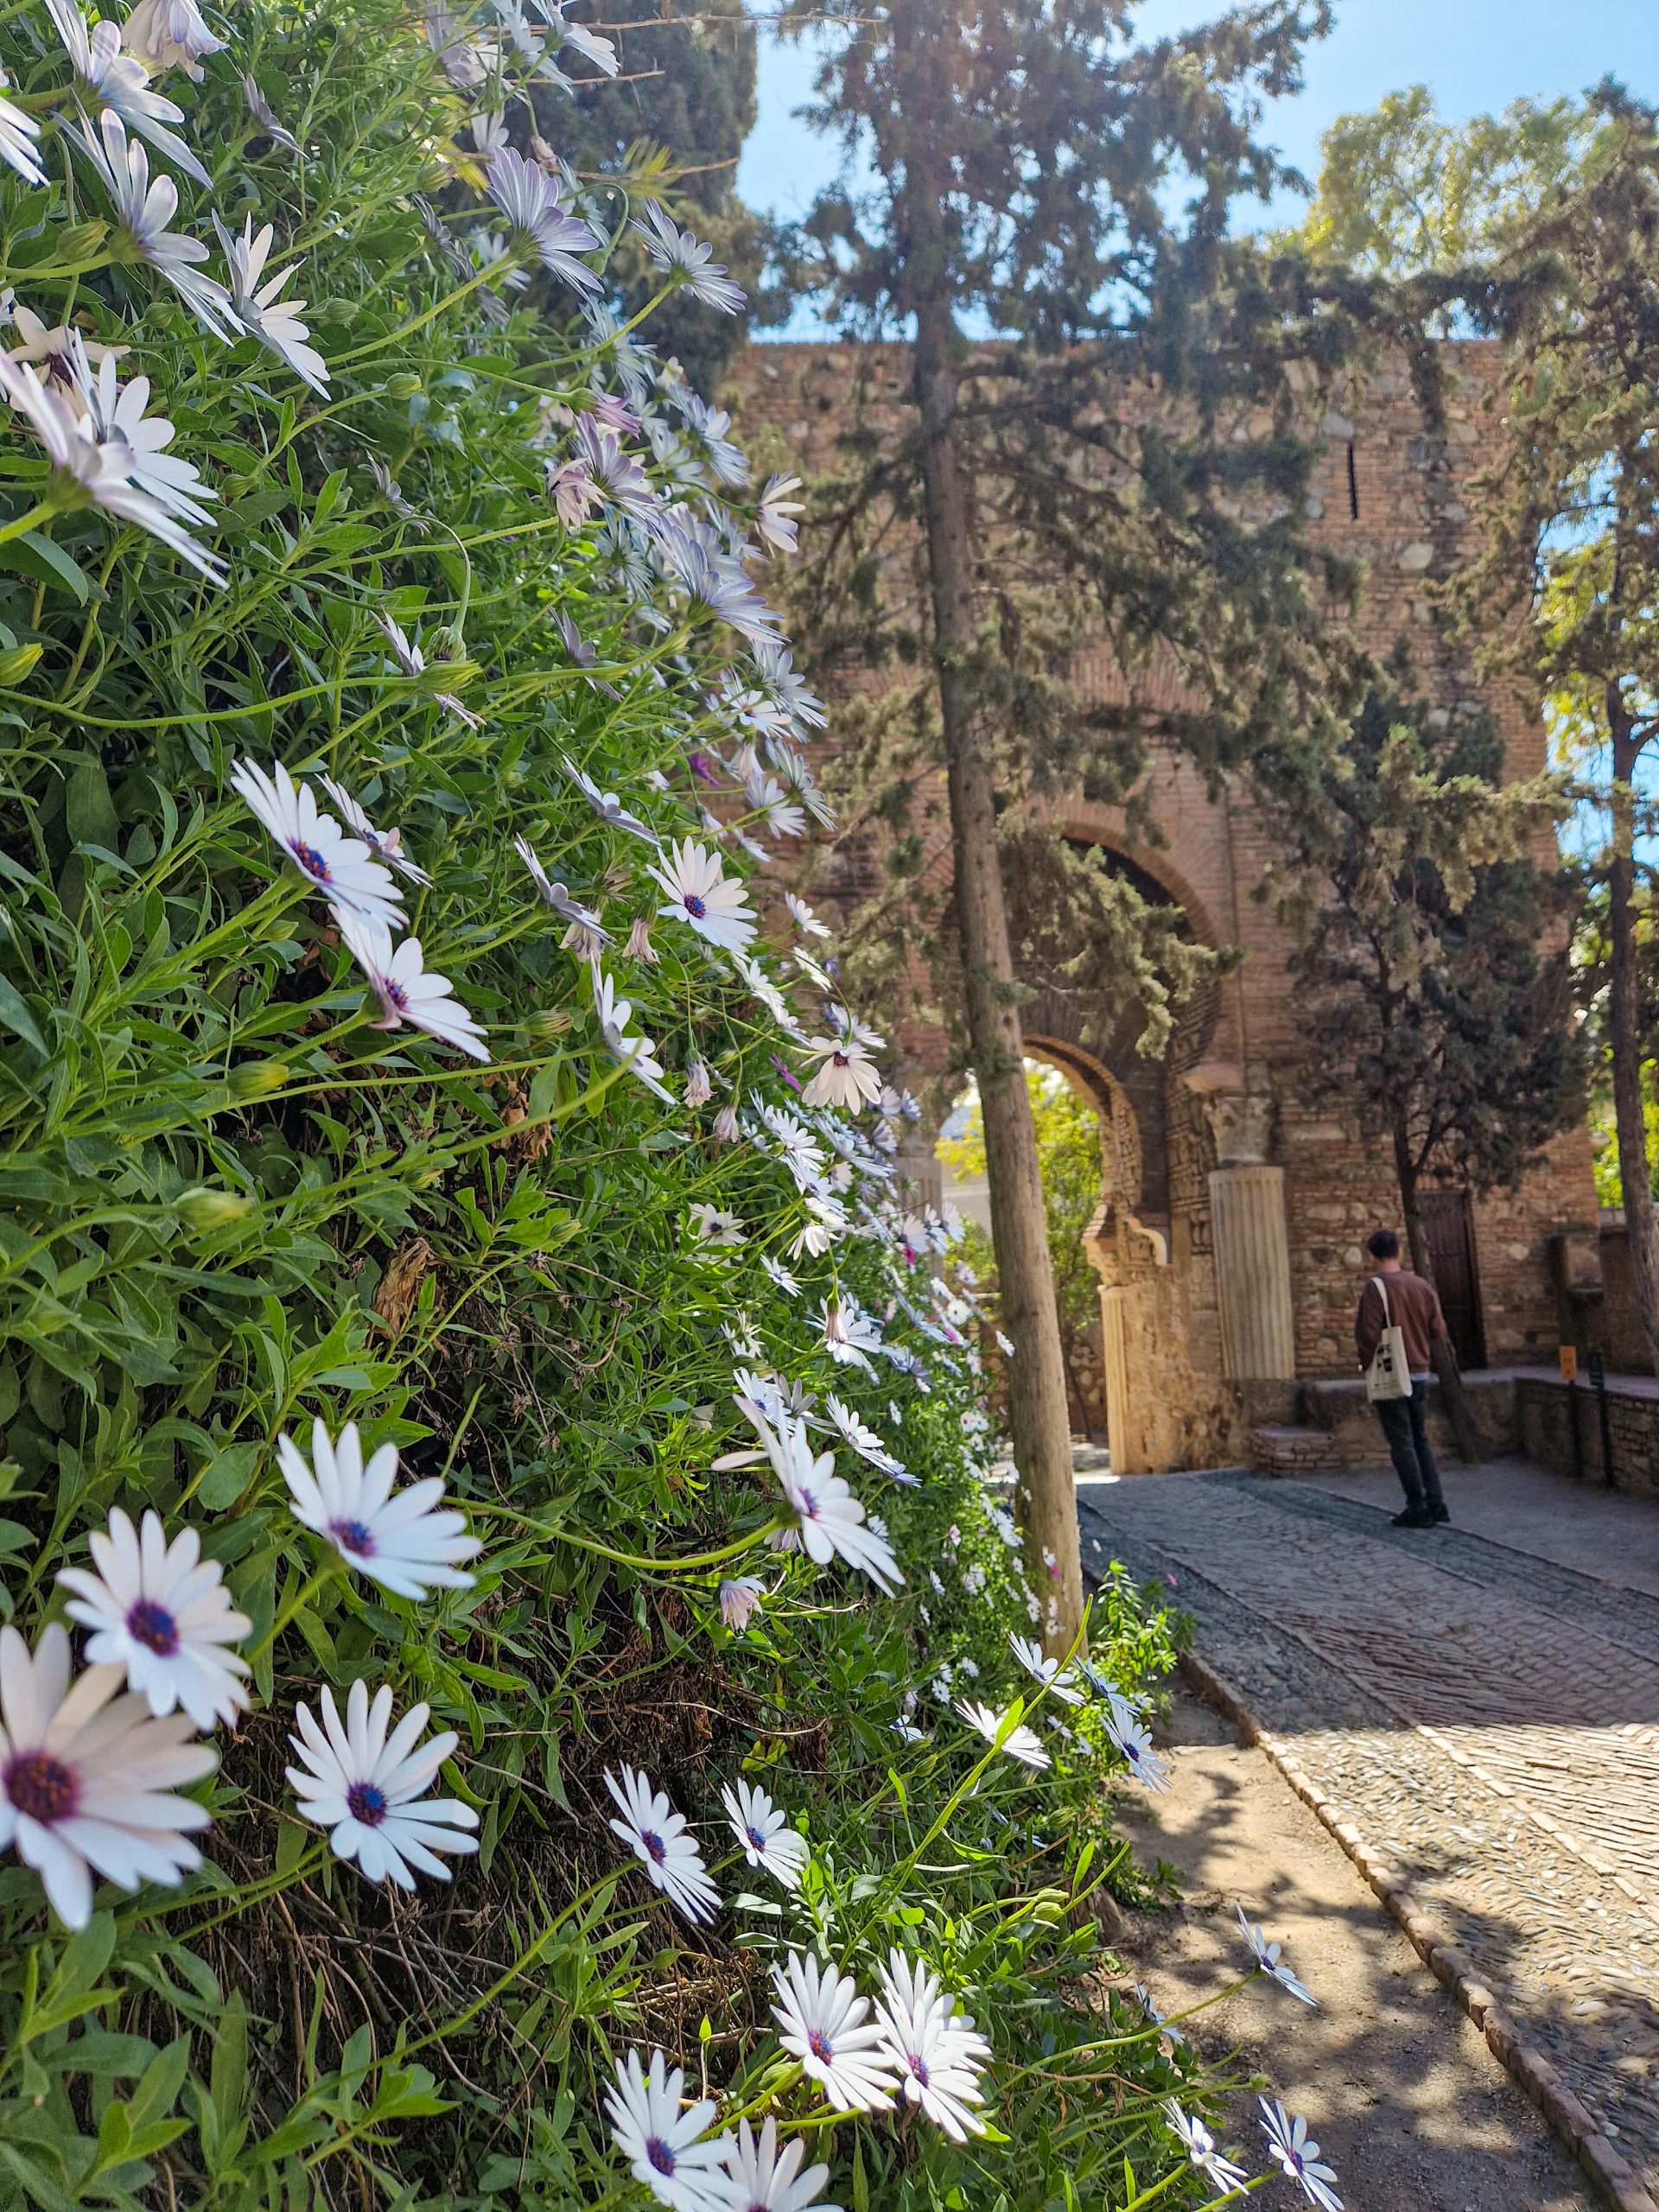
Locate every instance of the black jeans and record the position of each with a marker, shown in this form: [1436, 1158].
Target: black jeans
[1405, 1423]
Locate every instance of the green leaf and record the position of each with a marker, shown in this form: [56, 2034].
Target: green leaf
[228, 1476]
[88, 809]
[16, 1017]
[32, 555]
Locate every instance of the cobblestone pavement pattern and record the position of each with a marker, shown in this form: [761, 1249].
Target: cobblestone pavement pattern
[1487, 1720]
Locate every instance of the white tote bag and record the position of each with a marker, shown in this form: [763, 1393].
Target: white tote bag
[1389, 1375]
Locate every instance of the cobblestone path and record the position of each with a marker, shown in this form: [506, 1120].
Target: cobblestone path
[1488, 1720]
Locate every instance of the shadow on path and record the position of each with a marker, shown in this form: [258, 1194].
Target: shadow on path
[1487, 1719]
[1410, 2107]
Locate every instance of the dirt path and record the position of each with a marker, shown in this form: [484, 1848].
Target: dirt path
[1410, 2107]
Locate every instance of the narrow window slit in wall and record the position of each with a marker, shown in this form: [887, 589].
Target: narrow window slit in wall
[1353, 486]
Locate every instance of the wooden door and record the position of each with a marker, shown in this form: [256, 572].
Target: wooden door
[1450, 1231]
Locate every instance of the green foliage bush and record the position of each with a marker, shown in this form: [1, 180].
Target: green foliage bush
[232, 1205]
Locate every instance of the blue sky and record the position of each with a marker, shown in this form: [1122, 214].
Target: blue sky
[1476, 56]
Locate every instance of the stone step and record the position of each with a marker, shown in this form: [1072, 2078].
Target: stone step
[1284, 1449]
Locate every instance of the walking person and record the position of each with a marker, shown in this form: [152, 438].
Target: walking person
[1397, 1299]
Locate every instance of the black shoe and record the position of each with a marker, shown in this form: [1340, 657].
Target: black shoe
[1415, 1516]
[1439, 1513]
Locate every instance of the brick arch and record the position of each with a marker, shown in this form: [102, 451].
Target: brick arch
[1106, 826]
[1107, 1067]
[1100, 1089]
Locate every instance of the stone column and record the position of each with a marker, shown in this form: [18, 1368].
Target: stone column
[1122, 1433]
[1258, 1337]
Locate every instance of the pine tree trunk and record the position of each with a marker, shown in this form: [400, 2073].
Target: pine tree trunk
[1629, 1115]
[1442, 1357]
[1046, 1495]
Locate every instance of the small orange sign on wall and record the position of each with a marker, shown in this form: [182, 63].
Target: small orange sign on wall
[1568, 1355]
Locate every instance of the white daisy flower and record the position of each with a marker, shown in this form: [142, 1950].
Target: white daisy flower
[824, 2024]
[775, 523]
[660, 1840]
[780, 1275]
[755, 978]
[1144, 1998]
[780, 814]
[740, 1336]
[864, 1440]
[592, 45]
[163, 1613]
[274, 320]
[267, 117]
[1200, 2147]
[1019, 1742]
[758, 1397]
[847, 1076]
[848, 1025]
[144, 211]
[87, 1784]
[118, 82]
[639, 946]
[725, 1126]
[1269, 1958]
[676, 252]
[1005, 1345]
[1134, 1744]
[740, 1601]
[387, 846]
[764, 1830]
[666, 2148]
[804, 918]
[711, 1226]
[709, 425]
[365, 1788]
[408, 990]
[315, 841]
[61, 356]
[1061, 1680]
[848, 1335]
[801, 1153]
[1294, 2149]
[402, 1543]
[936, 2051]
[406, 651]
[714, 904]
[606, 805]
[761, 2178]
[465, 61]
[169, 33]
[85, 472]
[614, 473]
[533, 203]
[638, 1054]
[828, 1522]
[698, 1090]
[18, 132]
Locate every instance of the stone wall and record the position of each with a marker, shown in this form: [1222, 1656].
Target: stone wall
[1610, 1324]
[1390, 493]
[1548, 1413]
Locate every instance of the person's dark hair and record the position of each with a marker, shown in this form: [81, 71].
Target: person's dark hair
[1383, 1244]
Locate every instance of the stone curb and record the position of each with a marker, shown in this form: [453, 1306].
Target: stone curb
[1606, 2165]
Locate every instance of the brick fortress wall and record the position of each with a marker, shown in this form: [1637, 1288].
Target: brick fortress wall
[1387, 492]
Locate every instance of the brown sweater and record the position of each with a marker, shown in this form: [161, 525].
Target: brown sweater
[1413, 1309]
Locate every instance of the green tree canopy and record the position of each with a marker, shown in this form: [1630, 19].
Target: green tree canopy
[1068, 1151]
[1401, 193]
